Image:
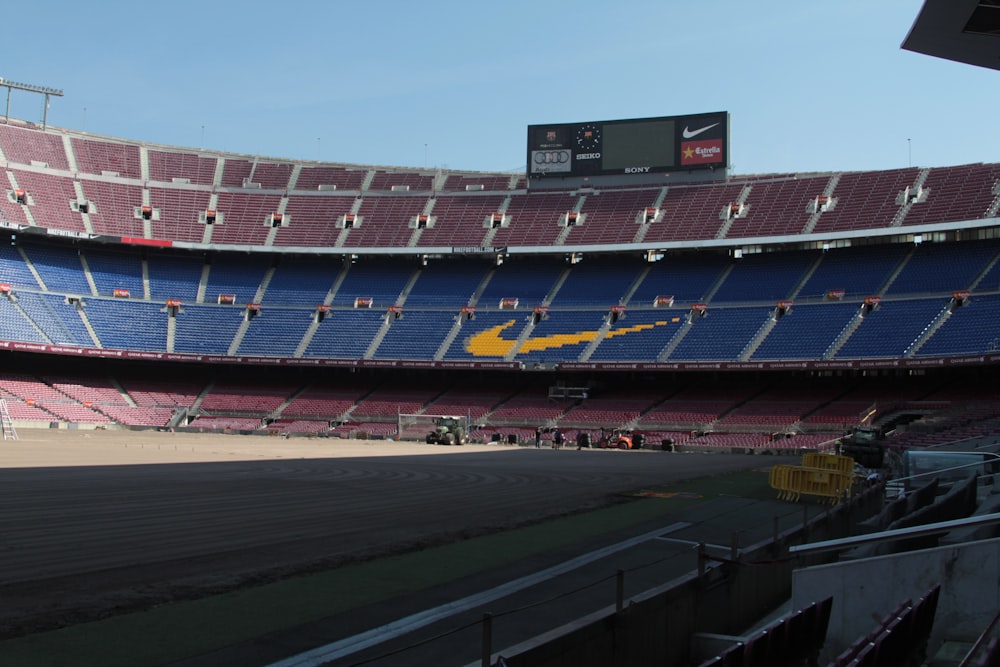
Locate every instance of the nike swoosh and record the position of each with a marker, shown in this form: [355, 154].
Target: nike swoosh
[489, 343]
[694, 133]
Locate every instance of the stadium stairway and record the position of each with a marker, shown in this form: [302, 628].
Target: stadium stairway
[307, 337]
[728, 220]
[310, 332]
[293, 179]
[565, 232]
[828, 193]
[147, 224]
[84, 214]
[276, 413]
[530, 326]
[144, 162]
[899, 269]
[759, 337]
[16, 305]
[794, 293]
[90, 328]
[994, 208]
[241, 332]
[71, 160]
[273, 232]
[986, 269]
[456, 328]
[676, 339]
[907, 201]
[213, 204]
[928, 332]
[26, 210]
[201, 397]
[845, 334]
[640, 234]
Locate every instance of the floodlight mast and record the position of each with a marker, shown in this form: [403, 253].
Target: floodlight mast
[44, 90]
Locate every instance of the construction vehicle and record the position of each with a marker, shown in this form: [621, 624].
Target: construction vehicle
[866, 445]
[619, 438]
[448, 431]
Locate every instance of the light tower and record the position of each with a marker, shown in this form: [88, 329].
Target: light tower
[48, 92]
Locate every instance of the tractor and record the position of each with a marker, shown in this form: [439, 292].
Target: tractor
[448, 431]
[866, 445]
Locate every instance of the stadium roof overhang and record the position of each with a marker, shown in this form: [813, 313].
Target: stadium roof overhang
[966, 31]
[895, 234]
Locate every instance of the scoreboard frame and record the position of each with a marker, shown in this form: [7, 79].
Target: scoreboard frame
[654, 145]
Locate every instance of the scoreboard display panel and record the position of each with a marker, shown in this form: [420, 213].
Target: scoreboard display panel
[636, 146]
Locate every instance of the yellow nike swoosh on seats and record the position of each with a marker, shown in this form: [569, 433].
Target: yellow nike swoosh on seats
[488, 343]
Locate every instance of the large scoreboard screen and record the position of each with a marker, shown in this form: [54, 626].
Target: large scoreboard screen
[636, 146]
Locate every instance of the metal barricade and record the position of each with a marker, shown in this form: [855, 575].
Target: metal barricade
[844, 464]
[792, 482]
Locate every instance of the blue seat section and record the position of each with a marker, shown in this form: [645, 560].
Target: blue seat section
[13, 269]
[687, 278]
[15, 326]
[807, 331]
[488, 347]
[128, 325]
[276, 332]
[446, 284]
[382, 280]
[116, 270]
[60, 321]
[416, 335]
[239, 276]
[59, 268]
[943, 268]
[206, 329]
[174, 277]
[972, 329]
[764, 277]
[641, 335]
[301, 281]
[721, 335]
[596, 281]
[860, 272]
[526, 279]
[736, 311]
[561, 337]
[891, 328]
[345, 334]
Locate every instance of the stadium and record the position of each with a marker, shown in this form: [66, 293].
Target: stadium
[627, 281]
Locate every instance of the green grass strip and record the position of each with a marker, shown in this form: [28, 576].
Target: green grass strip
[186, 629]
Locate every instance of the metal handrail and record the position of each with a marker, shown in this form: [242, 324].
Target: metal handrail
[941, 470]
[898, 533]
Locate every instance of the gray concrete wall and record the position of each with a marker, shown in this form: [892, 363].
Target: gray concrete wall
[865, 590]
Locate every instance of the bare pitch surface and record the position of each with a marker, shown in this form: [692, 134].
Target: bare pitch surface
[97, 521]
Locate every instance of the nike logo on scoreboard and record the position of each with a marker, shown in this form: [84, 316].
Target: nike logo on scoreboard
[694, 133]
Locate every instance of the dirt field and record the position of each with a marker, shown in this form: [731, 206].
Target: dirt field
[94, 522]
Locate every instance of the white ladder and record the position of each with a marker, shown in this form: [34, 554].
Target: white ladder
[6, 423]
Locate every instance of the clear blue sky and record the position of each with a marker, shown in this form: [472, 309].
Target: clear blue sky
[810, 86]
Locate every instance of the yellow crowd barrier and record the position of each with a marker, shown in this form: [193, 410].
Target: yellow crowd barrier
[792, 482]
[844, 464]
